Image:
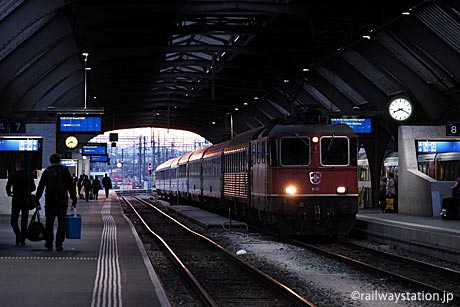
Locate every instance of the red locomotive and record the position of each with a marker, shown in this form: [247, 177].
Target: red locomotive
[299, 179]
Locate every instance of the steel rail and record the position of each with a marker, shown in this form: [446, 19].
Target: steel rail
[295, 298]
[370, 268]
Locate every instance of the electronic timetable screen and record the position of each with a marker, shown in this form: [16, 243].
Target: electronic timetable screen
[19, 145]
[98, 159]
[362, 125]
[94, 149]
[79, 123]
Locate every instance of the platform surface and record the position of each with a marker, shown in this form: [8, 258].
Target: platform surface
[106, 267]
[433, 235]
[434, 224]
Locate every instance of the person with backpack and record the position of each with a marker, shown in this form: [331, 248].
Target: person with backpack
[23, 185]
[56, 182]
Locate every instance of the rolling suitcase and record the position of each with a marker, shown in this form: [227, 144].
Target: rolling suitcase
[73, 226]
[449, 208]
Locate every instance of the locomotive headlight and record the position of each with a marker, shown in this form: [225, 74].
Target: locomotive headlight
[291, 190]
[341, 190]
[315, 139]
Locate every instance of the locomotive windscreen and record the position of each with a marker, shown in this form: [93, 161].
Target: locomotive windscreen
[334, 151]
[295, 151]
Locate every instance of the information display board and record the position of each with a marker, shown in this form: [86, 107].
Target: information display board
[19, 144]
[98, 149]
[74, 123]
[360, 125]
[98, 159]
[438, 146]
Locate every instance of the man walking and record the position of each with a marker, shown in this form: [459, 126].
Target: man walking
[58, 183]
[107, 184]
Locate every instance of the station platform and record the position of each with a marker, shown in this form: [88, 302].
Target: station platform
[108, 266]
[416, 233]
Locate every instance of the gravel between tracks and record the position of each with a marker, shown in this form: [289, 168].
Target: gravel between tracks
[321, 280]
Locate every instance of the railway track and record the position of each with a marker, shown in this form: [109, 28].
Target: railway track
[419, 275]
[220, 278]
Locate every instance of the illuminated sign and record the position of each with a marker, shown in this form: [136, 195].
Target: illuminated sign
[97, 149]
[70, 123]
[361, 125]
[69, 162]
[19, 144]
[438, 146]
[98, 159]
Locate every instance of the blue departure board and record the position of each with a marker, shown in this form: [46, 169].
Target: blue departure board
[98, 159]
[98, 149]
[438, 146]
[79, 123]
[19, 145]
[362, 125]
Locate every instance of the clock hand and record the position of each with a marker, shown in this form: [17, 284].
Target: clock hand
[404, 110]
[401, 109]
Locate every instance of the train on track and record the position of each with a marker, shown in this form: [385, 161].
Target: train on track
[297, 179]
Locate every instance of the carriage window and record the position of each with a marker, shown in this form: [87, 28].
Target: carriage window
[263, 151]
[334, 151]
[258, 153]
[295, 151]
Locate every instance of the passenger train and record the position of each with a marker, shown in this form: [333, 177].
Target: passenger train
[298, 179]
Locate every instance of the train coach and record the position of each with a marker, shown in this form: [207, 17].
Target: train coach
[298, 179]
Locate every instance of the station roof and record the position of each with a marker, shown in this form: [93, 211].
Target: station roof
[215, 67]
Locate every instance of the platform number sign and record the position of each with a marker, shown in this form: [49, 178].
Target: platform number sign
[17, 126]
[453, 128]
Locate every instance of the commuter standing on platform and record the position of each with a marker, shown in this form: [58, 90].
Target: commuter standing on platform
[58, 183]
[23, 184]
[456, 189]
[383, 193]
[391, 193]
[107, 184]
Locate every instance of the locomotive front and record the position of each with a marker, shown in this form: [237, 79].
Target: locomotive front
[311, 182]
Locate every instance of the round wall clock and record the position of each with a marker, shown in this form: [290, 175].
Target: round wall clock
[71, 142]
[400, 109]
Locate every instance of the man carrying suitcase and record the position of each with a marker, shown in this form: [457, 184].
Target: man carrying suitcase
[58, 183]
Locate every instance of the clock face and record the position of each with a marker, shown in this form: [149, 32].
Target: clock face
[71, 142]
[400, 109]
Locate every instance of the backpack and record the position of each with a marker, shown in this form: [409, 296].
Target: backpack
[56, 183]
